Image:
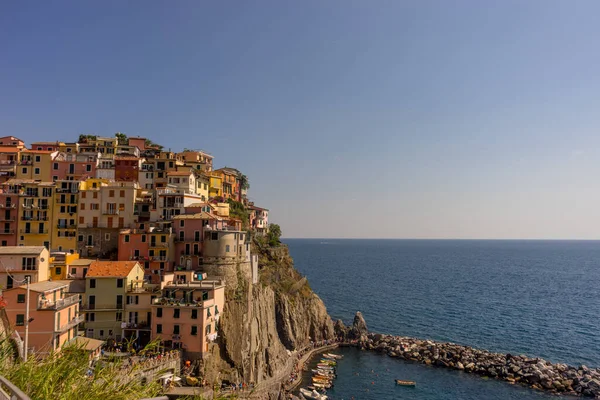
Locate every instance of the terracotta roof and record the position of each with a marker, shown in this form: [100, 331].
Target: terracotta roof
[21, 249]
[200, 215]
[9, 149]
[39, 151]
[198, 205]
[111, 269]
[10, 138]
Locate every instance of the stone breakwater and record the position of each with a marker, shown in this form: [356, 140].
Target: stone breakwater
[533, 372]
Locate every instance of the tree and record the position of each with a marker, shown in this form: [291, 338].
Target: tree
[244, 183]
[122, 138]
[274, 235]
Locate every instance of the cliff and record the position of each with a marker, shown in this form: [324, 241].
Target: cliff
[263, 324]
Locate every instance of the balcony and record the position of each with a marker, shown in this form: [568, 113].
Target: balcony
[101, 307]
[29, 193]
[25, 162]
[159, 258]
[7, 205]
[34, 232]
[140, 325]
[67, 190]
[34, 218]
[64, 226]
[110, 211]
[161, 244]
[58, 304]
[72, 323]
[180, 302]
[7, 231]
[9, 219]
[7, 162]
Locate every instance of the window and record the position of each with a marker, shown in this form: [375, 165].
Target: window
[176, 313]
[80, 237]
[208, 329]
[194, 313]
[28, 264]
[126, 238]
[121, 193]
[194, 331]
[118, 316]
[92, 283]
[181, 223]
[163, 239]
[227, 248]
[20, 319]
[92, 316]
[83, 194]
[208, 314]
[159, 312]
[58, 270]
[20, 298]
[107, 236]
[95, 195]
[143, 238]
[111, 193]
[73, 271]
[81, 221]
[158, 328]
[216, 310]
[120, 283]
[55, 165]
[101, 332]
[214, 236]
[88, 168]
[175, 329]
[24, 170]
[36, 171]
[38, 158]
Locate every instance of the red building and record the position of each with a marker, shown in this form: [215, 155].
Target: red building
[127, 168]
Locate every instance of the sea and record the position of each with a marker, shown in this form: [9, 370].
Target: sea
[539, 298]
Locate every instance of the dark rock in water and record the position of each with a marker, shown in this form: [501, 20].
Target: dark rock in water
[340, 329]
[359, 326]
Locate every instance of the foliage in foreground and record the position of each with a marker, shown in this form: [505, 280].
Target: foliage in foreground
[62, 376]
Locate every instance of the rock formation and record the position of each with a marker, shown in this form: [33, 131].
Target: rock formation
[263, 324]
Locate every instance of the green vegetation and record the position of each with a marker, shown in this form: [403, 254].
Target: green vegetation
[85, 138]
[244, 183]
[238, 210]
[274, 235]
[63, 376]
[150, 143]
[122, 138]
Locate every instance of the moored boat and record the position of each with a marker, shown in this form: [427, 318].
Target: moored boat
[312, 394]
[405, 383]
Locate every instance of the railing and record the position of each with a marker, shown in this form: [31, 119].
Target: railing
[63, 226]
[25, 162]
[139, 325]
[37, 232]
[161, 244]
[8, 391]
[75, 321]
[9, 219]
[7, 231]
[8, 205]
[67, 190]
[32, 218]
[8, 162]
[159, 258]
[110, 212]
[179, 302]
[60, 303]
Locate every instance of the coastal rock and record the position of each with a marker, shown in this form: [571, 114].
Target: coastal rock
[359, 327]
[341, 330]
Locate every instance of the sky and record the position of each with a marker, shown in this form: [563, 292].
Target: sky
[352, 119]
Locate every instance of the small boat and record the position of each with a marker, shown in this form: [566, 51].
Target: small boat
[330, 362]
[405, 383]
[321, 385]
[312, 394]
[325, 366]
[334, 356]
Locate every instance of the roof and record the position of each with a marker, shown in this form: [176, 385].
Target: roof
[228, 171]
[10, 138]
[258, 208]
[111, 269]
[9, 149]
[39, 151]
[44, 286]
[198, 205]
[52, 143]
[200, 215]
[80, 262]
[86, 343]
[21, 250]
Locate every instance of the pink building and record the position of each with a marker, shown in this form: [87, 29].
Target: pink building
[259, 219]
[152, 246]
[46, 146]
[74, 166]
[187, 314]
[139, 142]
[11, 141]
[188, 230]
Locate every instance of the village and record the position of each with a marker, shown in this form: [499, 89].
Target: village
[114, 243]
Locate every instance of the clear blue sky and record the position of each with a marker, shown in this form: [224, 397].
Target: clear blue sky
[396, 119]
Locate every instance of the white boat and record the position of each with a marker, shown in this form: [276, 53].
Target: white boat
[312, 394]
[334, 356]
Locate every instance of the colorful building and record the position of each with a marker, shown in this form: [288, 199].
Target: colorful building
[186, 316]
[35, 207]
[182, 181]
[259, 219]
[47, 146]
[12, 141]
[59, 264]
[107, 283]
[65, 216]
[198, 160]
[215, 188]
[54, 315]
[9, 200]
[74, 166]
[127, 168]
[231, 184]
[9, 156]
[36, 165]
[19, 262]
[137, 325]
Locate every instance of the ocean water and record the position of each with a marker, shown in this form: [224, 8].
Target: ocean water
[539, 298]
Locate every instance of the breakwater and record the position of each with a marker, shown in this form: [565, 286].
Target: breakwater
[534, 372]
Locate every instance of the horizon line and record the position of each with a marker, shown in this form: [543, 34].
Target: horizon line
[465, 239]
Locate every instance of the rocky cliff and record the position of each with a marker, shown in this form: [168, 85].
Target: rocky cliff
[263, 324]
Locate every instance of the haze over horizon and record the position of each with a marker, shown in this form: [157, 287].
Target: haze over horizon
[412, 119]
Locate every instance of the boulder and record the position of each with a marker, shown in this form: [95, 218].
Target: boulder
[359, 326]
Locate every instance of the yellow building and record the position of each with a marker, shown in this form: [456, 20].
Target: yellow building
[69, 147]
[216, 185]
[107, 285]
[35, 213]
[59, 264]
[202, 186]
[36, 164]
[65, 214]
[107, 146]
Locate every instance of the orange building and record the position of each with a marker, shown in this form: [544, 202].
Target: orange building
[53, 314]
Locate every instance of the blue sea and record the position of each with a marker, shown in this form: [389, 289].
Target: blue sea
[539, 298]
